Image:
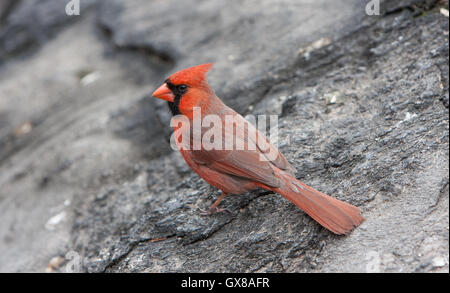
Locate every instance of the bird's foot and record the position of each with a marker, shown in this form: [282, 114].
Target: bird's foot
[213, 210]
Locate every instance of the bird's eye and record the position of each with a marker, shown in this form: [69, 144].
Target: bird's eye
[182, 88]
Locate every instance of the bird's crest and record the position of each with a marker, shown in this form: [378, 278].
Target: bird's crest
[192, 76]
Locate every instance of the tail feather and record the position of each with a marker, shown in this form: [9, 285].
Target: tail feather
[335, 215]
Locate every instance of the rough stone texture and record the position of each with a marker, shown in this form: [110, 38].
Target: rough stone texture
[85, 165]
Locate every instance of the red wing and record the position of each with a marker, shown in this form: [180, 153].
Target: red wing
[250, 164]
[266, 147]
[241, 163]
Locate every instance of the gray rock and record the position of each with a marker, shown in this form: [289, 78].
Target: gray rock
[86, 169]
[247, 40]
[27, 24]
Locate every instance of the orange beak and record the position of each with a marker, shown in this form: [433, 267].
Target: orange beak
[164, 93]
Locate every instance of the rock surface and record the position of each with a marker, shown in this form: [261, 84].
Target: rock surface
[86, 168]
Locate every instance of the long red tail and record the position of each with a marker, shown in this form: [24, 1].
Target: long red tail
[335, 215]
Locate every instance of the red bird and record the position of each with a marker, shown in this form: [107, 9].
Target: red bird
[237, 171]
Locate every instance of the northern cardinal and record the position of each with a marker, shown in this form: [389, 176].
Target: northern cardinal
[237, 171]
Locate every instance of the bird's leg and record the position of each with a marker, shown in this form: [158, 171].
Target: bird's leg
[213, 208]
